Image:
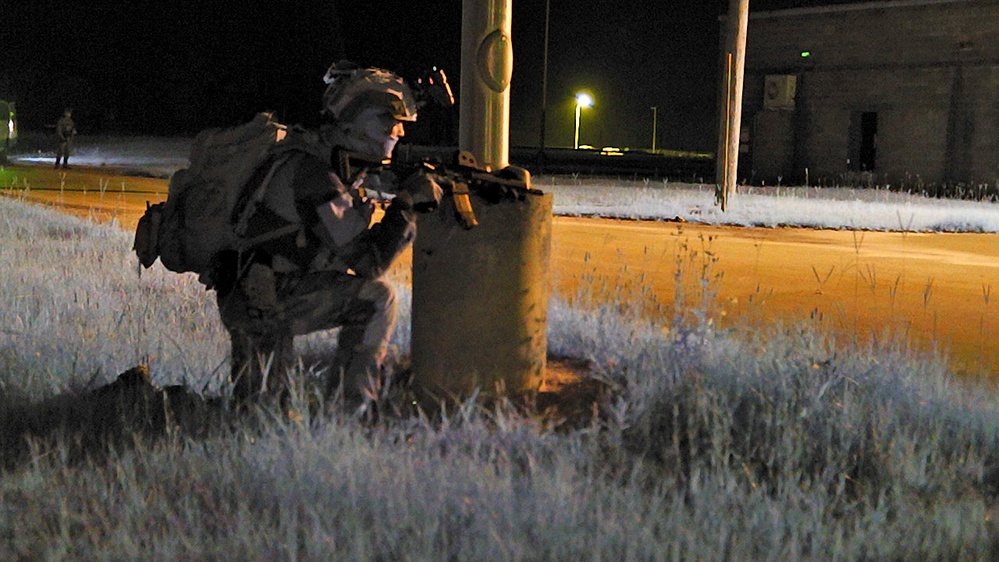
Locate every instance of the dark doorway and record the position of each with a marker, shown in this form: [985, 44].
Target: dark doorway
[863, 141]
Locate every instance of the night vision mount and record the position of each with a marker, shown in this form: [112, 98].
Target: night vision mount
[433, 87]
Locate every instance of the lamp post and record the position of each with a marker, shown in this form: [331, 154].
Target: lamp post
[582, 100]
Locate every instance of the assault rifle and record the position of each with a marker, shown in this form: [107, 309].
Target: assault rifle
[463, 176]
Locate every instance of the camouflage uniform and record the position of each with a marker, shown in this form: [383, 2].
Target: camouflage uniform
[65, 131]
[325, 274]
[318, 259]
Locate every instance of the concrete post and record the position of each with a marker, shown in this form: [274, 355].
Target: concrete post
[480, 295]
[480, 298]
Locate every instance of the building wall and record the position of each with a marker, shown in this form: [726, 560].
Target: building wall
[928, 69]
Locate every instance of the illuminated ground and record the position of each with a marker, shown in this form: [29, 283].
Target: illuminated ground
[930, 289]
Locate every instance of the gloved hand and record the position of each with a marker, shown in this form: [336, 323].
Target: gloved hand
[425, 192]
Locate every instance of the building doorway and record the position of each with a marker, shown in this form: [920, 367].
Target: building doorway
[863, 141]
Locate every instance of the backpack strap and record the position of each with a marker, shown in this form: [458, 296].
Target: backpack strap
[257, 196]
[247, 243]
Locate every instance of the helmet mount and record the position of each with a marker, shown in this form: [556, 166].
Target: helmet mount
[351, 88]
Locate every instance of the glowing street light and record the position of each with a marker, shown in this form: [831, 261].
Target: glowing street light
[582, 100]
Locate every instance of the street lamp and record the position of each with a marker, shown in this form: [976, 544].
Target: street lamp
[582, 100]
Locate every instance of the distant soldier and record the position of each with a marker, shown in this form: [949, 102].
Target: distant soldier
[8, 130]
[65, 131]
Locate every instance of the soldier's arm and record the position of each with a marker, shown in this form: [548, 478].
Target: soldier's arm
[371, 253]
[368, 252]
[382, 244]
[324, 206]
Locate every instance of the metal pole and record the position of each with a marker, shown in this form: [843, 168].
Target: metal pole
[486, 70]
[654, 128]
[544, 84]
[575, 135]
[728, 145]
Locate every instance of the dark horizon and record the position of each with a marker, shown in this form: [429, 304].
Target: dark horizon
[154, 68]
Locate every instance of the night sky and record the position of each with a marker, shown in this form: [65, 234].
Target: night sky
[168, 68]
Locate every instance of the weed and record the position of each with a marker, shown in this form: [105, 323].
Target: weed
[821, 280]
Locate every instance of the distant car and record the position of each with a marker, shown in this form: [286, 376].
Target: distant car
[611, 151]
[8, 129]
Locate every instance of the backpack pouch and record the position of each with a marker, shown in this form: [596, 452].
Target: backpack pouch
[146, 243]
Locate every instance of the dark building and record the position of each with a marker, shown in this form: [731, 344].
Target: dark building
[901, 93]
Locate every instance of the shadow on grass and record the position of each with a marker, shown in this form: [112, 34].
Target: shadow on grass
[90, 425]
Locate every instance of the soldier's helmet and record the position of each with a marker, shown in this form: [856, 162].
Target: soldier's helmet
[351, 88]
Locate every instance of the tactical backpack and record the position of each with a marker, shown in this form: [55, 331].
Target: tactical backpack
[199, 218]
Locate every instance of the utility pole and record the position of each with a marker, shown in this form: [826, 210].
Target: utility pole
[730, 121]
[480, 295]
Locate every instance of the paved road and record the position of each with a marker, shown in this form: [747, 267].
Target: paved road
[928, 289]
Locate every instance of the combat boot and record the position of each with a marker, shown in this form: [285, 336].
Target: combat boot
[358, 375]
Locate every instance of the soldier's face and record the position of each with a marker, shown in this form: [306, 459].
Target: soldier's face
[376, 131]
